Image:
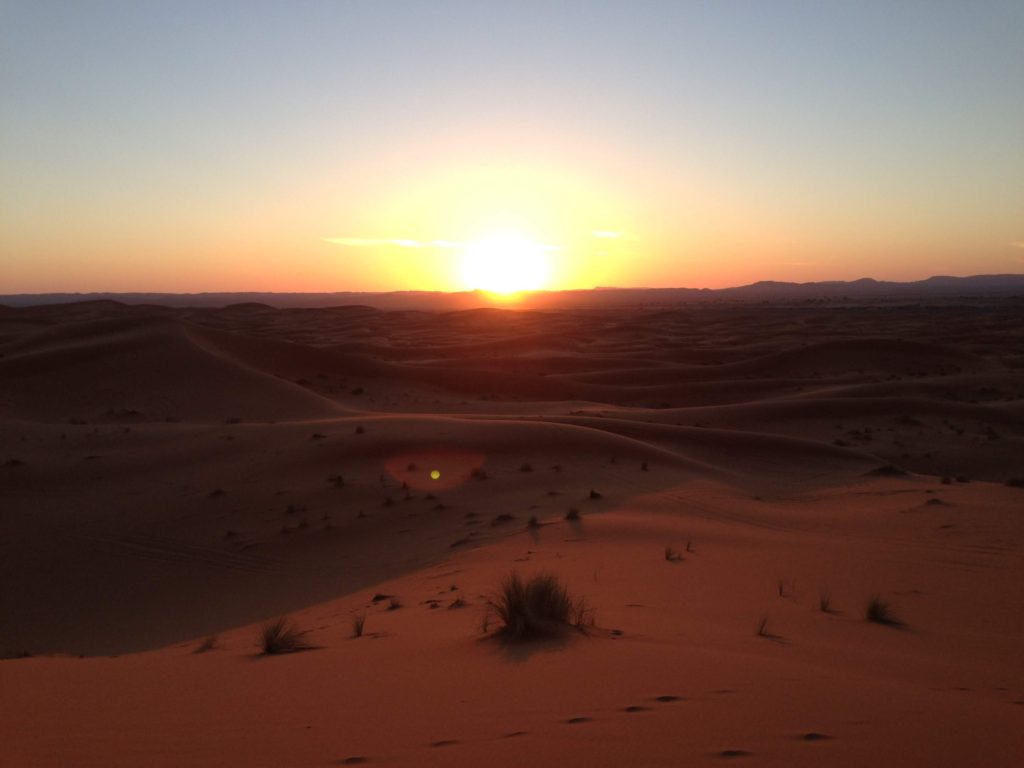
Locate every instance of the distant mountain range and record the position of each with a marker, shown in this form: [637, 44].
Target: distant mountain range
[865, 289]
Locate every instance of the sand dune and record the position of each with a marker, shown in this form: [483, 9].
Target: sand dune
[167, 475]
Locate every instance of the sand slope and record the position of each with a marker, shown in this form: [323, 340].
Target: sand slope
[168, 475]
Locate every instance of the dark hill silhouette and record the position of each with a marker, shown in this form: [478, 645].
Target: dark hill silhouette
[939, 287]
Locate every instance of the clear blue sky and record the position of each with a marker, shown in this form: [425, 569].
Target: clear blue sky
[284, 146]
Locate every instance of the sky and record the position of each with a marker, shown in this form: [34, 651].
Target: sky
[441, 145]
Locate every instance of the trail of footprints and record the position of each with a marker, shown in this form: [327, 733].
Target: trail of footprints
[810, 736]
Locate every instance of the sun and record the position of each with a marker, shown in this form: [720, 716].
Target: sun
[505, 263]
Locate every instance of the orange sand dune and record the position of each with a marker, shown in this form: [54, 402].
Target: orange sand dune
[743, 480]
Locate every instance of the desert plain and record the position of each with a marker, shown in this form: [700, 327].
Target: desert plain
[727, 486]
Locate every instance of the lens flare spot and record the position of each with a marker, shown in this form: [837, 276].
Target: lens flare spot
[435, 474]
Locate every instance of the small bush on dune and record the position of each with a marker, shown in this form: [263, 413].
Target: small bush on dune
[207, 645]
[538, 607]
[878, 611]
[825, 602]
[358, 622]
[281, 637]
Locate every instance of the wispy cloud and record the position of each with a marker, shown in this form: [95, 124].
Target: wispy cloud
[399, 242]
[1017, 244]
[376, 242]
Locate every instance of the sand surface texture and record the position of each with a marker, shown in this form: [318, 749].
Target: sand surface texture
[743, 480]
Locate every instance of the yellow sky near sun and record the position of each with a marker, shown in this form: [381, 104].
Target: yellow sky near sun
[422, 234]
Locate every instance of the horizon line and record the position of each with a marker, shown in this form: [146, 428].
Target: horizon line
[540, 291]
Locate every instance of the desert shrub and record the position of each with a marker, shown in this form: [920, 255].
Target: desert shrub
[358, 622]
[672, 555]
[533, 522]
[207, 645]
[879, 611]
[281, 636]
[538, 607]
[572, 514]
[825, 602]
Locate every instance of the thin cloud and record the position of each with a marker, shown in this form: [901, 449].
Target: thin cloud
[376, 242]
[1017, 244]
[400, 242]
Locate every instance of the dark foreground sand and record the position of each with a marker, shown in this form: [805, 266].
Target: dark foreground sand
[171, 475]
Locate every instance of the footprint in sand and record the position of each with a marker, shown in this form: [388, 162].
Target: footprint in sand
[734, 753]
[357, 760]
[444, 743]
[814, 736]
[577, 720]
[667, 699]
[635, 708]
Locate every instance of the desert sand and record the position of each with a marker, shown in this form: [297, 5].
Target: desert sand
[745, 479]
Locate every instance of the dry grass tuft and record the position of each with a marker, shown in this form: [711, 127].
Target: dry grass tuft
[536, 608]
[358, 622]
[878, 611]
[281, 636]
[207, 645]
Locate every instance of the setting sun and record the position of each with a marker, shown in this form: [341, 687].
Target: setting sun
[505, 263]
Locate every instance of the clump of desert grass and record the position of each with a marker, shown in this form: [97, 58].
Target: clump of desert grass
[572, 515]
[281, 636]
[208, 644]
[535, 608]
[358, 623]
[672, 555]
[825, 602]
[879, 611]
